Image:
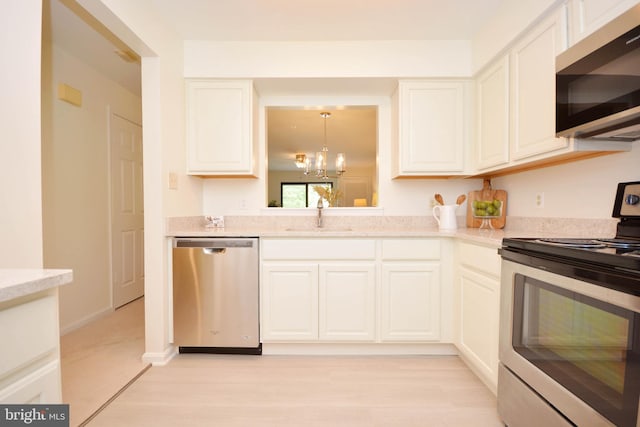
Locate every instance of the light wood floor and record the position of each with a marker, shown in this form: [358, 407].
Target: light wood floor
[100, 358]
[309, 391]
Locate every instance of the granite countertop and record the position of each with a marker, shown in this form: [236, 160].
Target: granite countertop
[385, 227]
[487, 237]
[15, 283]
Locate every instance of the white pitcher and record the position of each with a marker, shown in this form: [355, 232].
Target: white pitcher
[446, 217]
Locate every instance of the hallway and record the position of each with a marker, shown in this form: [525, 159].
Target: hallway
[100, 358]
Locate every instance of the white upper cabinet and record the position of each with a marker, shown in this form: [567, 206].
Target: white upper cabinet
[588, 15]
[515, 105]
[533, 94]
[492, 96]
[221, 138]
[432, 128]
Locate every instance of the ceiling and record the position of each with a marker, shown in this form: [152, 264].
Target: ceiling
[281, 20]
[326, 20]
[68, 26]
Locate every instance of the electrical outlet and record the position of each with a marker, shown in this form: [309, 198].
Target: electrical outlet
[539, 200]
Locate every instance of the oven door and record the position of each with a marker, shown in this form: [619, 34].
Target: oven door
[576, 344]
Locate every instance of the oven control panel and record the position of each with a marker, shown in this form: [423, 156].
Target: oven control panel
[627, 200]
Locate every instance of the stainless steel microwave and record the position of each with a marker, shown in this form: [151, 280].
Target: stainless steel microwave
[598, 83]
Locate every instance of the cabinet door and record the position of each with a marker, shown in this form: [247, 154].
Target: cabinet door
[533, 89]
[492, 88]
[220, 138]
[347, 302]
[410, 302]
[431, 127]
[479, 309]
[289, 301]
[586, 16]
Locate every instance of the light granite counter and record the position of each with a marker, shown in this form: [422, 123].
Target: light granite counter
[384, 226]
[15, 283]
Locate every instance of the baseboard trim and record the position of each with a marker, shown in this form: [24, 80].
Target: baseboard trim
[377, 349]
[86, 320]
[160, 358]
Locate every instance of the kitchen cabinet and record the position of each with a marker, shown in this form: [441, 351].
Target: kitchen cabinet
[320, 289]
[289, 301]
[515, 107]
[430, 127]
[221, 133]
[328, 290]
[410, 290]
[586, 16]
[477, 307]
[347, 301]
[492, 95]
[30, 361]
[533, 89]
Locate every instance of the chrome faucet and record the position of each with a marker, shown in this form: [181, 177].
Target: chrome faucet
[320, 206]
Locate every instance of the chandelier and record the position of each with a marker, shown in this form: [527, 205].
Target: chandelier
[321, 170]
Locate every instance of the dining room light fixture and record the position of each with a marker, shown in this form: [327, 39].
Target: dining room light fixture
[302, 161]
[323, 155]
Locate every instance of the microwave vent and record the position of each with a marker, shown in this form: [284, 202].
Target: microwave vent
[626, 134]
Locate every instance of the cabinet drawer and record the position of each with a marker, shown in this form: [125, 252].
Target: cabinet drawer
[31, 333]
[318, 249]
[410, 249]
[41, 386]
[480, 258]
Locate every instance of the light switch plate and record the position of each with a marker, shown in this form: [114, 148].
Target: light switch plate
[173, 181]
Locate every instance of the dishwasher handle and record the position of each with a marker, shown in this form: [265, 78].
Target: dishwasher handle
[215, 243]
[214, 251]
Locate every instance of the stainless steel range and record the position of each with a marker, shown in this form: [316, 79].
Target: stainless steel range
[570, 326]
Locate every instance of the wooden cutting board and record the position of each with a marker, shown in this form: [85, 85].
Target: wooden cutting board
[487, 193]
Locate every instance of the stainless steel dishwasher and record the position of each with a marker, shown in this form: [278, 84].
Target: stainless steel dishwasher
[216, 295]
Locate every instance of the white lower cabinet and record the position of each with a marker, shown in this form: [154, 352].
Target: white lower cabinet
[347, 302]
[318, 289]
[289, 301]
[351, 290]
[478, 307]
[30, 371]
[410, 302]
[311, 301]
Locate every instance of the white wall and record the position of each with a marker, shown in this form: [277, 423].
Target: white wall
[75, 163]
[164, 150]
[20, 204]
[397, 58]
[582, 189]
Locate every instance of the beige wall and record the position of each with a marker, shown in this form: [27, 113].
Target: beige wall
[164, 151]
[20, 205]
[75, 166]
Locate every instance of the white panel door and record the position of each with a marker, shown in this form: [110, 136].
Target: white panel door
[410, 302]
[347, 302]
[127, 211]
